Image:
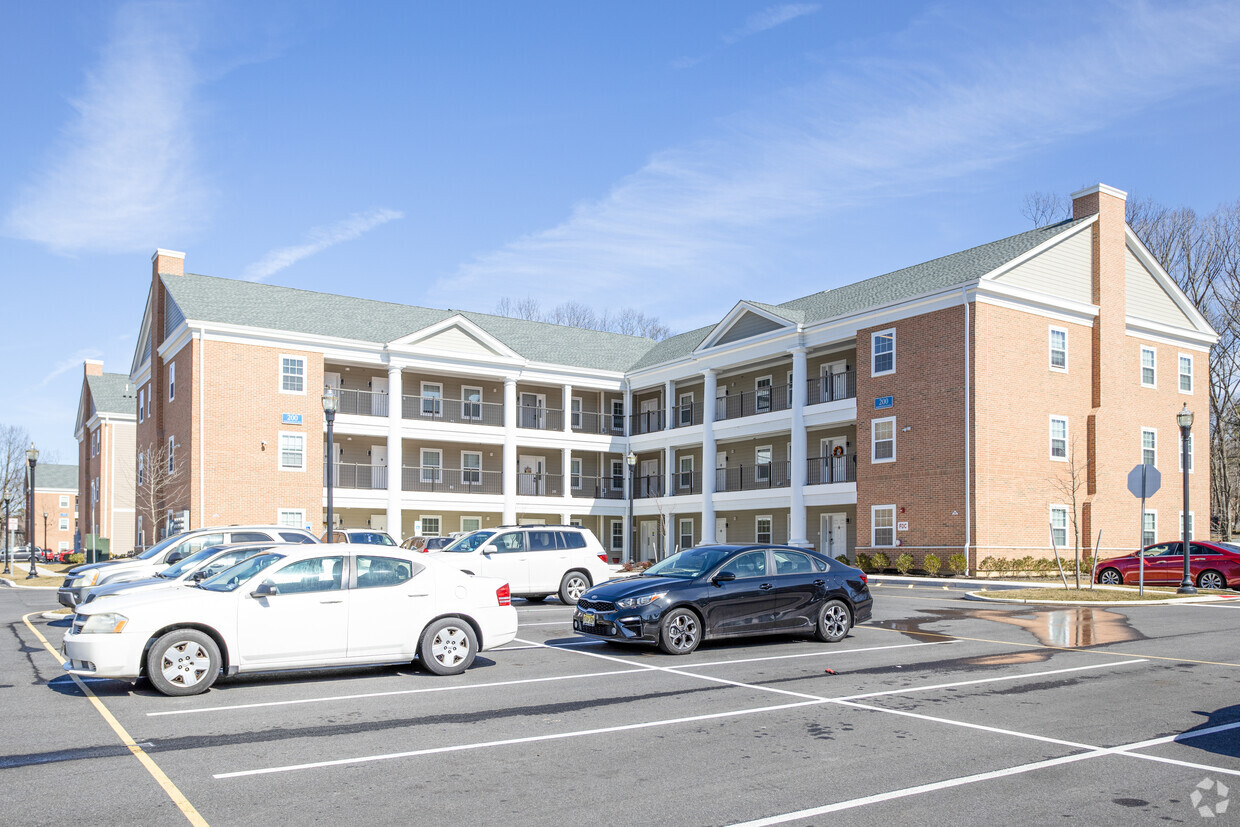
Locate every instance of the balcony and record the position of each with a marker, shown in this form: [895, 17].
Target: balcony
[455, 411]
[589, 422]
[832, 386]
[686, 482]
[599, 488]
[432, 479]
[684, 416]
[752, 403]
[647, 487]
[362, 403]
[753, 477]
[358, 475]
[539, 418]
[647, 422]
[827, 470]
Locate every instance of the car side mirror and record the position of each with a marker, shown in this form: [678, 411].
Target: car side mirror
[198, 575]
[175, 557]
[723, 577]
[265, 589]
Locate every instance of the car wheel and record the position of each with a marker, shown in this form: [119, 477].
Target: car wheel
[834, 621]
[572, 587]
[448, 647]
[1110, 577]
[536, 598]
[680, 632]
[1211, 579]
[183, 662]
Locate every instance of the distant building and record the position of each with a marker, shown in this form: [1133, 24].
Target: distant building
[106, 418]
[55, 505]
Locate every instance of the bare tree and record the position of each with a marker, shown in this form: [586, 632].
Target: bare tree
[1070, 485]
[160, 484]
[13, 443]
[1045, 208]
[628, 321]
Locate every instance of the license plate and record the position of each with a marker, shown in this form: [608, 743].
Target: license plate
[587, 620]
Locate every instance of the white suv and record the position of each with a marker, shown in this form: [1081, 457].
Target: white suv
[536, 560]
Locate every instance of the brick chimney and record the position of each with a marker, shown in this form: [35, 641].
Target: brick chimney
[92, 367]
[168, 262]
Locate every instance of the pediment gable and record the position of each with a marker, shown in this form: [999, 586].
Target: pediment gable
[458, 336]
[745, 321]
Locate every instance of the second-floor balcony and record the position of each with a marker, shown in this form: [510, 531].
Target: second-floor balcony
[434, 479]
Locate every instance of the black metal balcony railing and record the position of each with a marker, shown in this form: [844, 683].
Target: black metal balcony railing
[362, 403]
[359, 475]
[753, 477]
[647, 422]
[825, 470]
[456, 411]
[433, 479]
[832, 386]
[686, 482]
[538, 418]
[752, 403]
[646, 487]
[591, 422]
[685, 415]
[599, 488]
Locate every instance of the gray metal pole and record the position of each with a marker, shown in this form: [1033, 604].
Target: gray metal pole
[1186, 585]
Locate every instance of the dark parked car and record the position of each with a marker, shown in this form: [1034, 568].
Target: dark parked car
[365, 536]
[1211, 565]
[720, 591]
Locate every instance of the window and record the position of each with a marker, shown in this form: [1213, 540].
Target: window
[1059, 438]
[883, 525]
[1149, 528]
[685, 415]
[883, 440]
[617, 416]
[1191, 534]
[617, 474]
[574, 473]
[430, 526]
[513, 541]
[762, 529]
[762, 463]
[1148, 373]
[64, 545]
[376, 572]
[319, 574]
[148, 400]
[471, 403]
[292, 452]
[762, 394]
[1180, 454]
[64, 523]
[793, 562]
[64, 500]
[574, 405]
[141, 404]
[1059, 349]
[882, 352]
[432, 399]
[471, 523]
[172, 381]
[749, 564]
[94, 443]
[686, 534]
[617, 535]
[292, 374]
[172, 455]
[471, 468]
[432, 465]
[1186, 373]
[1059, 525]
[686, 471]
[141, 471]
[1149, 446]
[291, 517]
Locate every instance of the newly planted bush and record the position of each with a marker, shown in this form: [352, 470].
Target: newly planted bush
[931, 564]
[904, 563]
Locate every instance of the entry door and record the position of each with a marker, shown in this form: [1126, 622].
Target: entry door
[531, 476]
[835, 381]
[649, 416]
[721, 471]
[650, 485]
[378, 467]
[331, 379]
[834, 535]
[835, 469]
[533, 410]
[649, 531]
[378, 396]
[721, 529]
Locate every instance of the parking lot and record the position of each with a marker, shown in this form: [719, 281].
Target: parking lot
[939, 710]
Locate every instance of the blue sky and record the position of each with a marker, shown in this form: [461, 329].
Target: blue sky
[670, 156]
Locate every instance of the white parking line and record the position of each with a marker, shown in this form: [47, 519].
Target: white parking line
[567, 620]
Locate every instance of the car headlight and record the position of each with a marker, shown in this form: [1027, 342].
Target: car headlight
[634, 602]
[88, 579]
[104, 623]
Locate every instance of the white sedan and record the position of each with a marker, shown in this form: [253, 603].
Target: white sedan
[291, 608]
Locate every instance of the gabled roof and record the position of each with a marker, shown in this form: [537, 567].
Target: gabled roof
[250, 304]
[55, 476]
[113, 393]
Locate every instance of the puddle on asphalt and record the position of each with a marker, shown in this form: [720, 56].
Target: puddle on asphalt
[1069, 628]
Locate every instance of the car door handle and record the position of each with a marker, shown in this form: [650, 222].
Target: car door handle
[411, 594]
[820, 582]
[765, 587]
[325, 602]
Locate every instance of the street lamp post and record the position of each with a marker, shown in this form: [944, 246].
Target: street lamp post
[8, 498]
[1185, 420]
[631, 460]
[45, 545]
[329, 411]
[32, 457]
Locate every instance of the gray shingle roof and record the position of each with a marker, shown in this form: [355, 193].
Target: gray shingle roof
[207, 298]
[112, 393]
[55, 476]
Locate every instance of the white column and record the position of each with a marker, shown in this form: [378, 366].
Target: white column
[630, 513]
[566, 458]
[568, 411]
[708, 457]
[510, 451]
[796, 522]
[628, 410]
[669, 478]
[669, 404]
[395, 474]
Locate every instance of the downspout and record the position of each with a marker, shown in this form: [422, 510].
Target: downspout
[964, 296]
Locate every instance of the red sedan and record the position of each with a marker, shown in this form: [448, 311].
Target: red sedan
[1211, 565]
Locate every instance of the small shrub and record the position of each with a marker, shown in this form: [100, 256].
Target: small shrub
[843, 558]
[987, 564]
[958, 563]
[863, 562]
[931, 564]
[904, 563]
[77, 558]
[879, 561]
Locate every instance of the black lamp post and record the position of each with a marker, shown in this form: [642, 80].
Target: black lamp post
[329, 411]
[45, 545]
[32, 458]
[8, 498]
[1185, 420]
[631, 460]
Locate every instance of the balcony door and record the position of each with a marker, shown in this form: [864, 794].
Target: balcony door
[834, 381]
[649, 485]
[378, 466]
[378, 396]
[834, 468]
[533, 410]
[531, 477]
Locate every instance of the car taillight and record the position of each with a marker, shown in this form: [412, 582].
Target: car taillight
[603, 557]
[865, 579]
[504, 595]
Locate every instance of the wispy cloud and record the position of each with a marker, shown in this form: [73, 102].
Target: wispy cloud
[766, 19]
[709, 218]
[320, 238]
[123, 174]
[66, 365]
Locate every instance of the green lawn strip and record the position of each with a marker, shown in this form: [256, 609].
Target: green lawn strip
[1093, 595]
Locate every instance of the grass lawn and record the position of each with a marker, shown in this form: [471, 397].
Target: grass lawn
[1071, 595]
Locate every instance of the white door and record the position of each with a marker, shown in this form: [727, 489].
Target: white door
[378, 396]
[387, 588]
[505, 556]
[533, 410]
[835, 381]
[378, 467]
[834, 460]
[305, 621]
[721, 471]
[649, 484]
[331, 380]
[378, 522]
[721, 529]
[649, 419]
[833, 535]
[649, 532]
[531, 476]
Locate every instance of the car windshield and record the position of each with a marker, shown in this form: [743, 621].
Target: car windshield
[158, 547]
[189, 563]
[690, 563]
[229, 579]
[372, 538]
[470, 542]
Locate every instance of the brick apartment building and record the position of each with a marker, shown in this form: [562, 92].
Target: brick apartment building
[941, 408]
[104, 429]
[55, 506]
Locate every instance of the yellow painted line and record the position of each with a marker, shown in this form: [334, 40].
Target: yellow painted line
[160, 778]
[1057, 648]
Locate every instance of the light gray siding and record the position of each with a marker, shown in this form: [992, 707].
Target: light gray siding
[1064, 270]
[749, 324]
[1146, 299]
[172, 315]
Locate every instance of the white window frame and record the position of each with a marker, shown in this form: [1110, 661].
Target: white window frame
[172, 381]
[63, 524]
[1179, 452]
[684, 415]
[141, 404]
[477, 528]
[1153, 383]
[685, 531]
[467, 404]
[874, 440]
[575, 466]
[437, 468]
[435, 410]
[1059, 509]
[422, 518]
[1192, 528]
[616, 539]
[622, 476]
[172, 455]
[141, 470]
[298, 359]
[684, 478]
[465, 469]
[64, 500]
[1051, 434]
[1050, 342]
[1153, 449]
[298, 437]
[64, 545]
[874, 337]
[762, 394]
[762, 470]
[1149, 524]
[770, 528]
[874, 510]
[575, 416]
[1182, 375]
[283, 515]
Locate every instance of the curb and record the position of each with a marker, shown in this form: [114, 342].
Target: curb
[945, 581]
[1171, 601]
[14, 585]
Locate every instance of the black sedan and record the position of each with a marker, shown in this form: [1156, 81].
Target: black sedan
[720, 591]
